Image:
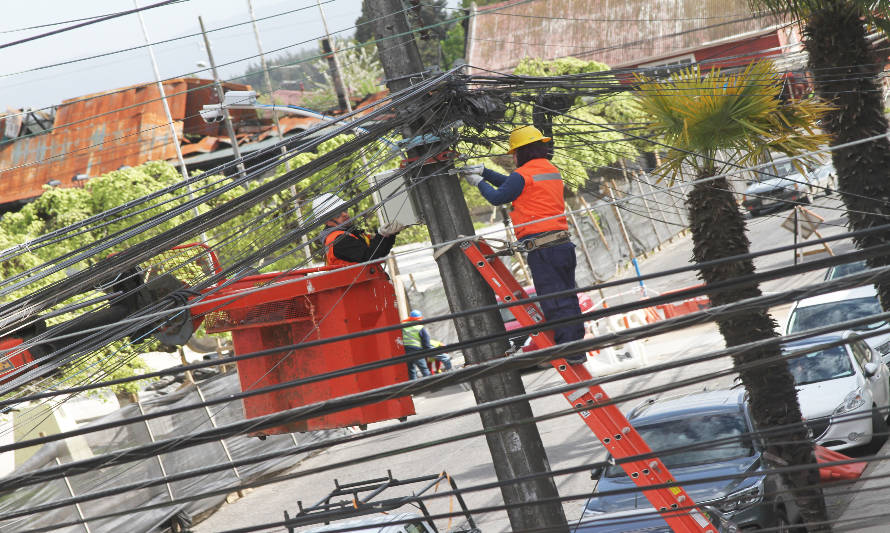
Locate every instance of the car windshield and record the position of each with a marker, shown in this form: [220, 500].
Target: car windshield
[816, 316]
[727, 429]
[845, 269]
[778, 170]
[823, 365]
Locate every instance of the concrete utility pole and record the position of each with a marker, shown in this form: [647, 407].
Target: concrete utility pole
[329, 48]
[518, 451]
[343, 103]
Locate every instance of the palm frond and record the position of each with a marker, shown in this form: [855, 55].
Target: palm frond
[740, 113]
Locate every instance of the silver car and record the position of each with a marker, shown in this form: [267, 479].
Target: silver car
[839, 306]
[776, 187]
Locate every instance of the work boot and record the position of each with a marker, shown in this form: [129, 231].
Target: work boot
[577, 359]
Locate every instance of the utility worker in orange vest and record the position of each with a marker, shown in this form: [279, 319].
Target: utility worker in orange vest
[537, 192]
[344, 243]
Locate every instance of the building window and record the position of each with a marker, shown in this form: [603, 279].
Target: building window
[666, 67]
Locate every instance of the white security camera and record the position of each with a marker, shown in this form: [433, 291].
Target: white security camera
[239, 98]
[212, 113]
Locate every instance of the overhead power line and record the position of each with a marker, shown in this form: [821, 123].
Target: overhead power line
[164, 41]
[90, 22]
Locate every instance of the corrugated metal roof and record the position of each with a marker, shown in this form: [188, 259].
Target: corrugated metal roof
[98, 133]
[614, 32]
[101, 132]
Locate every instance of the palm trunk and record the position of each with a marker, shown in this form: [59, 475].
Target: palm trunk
[718, 231]
[845, 69]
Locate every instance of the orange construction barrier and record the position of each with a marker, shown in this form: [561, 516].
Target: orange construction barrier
[836, 472]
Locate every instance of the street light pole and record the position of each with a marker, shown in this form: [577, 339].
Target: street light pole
[517, 452]
[154, 63]
[219, 92]
[266, 78]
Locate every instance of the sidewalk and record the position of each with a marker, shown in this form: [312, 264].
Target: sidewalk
[866, 500]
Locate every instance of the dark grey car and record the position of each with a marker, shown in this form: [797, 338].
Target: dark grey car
[682, 425]
[779, 186]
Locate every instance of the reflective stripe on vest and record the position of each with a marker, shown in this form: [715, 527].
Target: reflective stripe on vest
[329, 258]
[541, 197]
[411, 337]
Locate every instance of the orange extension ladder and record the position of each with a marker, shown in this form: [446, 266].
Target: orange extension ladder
[609, 425]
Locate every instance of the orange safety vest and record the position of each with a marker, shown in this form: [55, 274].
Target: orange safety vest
[330, 258]
[541, 197]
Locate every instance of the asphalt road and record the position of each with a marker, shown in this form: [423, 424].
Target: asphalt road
[568, 441]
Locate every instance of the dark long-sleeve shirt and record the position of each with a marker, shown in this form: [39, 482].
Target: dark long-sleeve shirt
[356, 251]
[425, 339]
[508, 187]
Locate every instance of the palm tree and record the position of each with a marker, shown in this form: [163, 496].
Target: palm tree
[711, 123]
[845, 66]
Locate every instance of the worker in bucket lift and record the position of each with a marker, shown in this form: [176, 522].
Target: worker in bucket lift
[346, 244]
[537, 192]
[416, 338]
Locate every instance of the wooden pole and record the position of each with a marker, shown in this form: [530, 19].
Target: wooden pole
[583, 244]
[593, 221]
[624, 234]
[645, 202]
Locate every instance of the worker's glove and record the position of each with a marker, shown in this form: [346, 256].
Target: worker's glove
[391, 228]
[470, 169]
[473, 179]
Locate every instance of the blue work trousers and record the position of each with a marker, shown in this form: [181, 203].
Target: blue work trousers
[553, 270]
[416, 365]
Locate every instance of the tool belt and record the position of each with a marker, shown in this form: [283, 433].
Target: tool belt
[545, 240]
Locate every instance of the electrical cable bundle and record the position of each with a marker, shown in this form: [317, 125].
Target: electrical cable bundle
[266, 223]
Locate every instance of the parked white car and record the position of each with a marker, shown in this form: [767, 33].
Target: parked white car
[843, 391]
[840, 306]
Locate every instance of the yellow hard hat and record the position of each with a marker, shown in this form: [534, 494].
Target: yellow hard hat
[525, 135]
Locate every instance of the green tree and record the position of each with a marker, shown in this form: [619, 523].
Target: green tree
[430, 19]
[360, 69]
[288, 69]
[454, 45]
[845, 66]
[581, 144]
[57, 208]
[364, 26]
[739, 118]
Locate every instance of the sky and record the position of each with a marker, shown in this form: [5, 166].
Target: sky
[47, 87]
